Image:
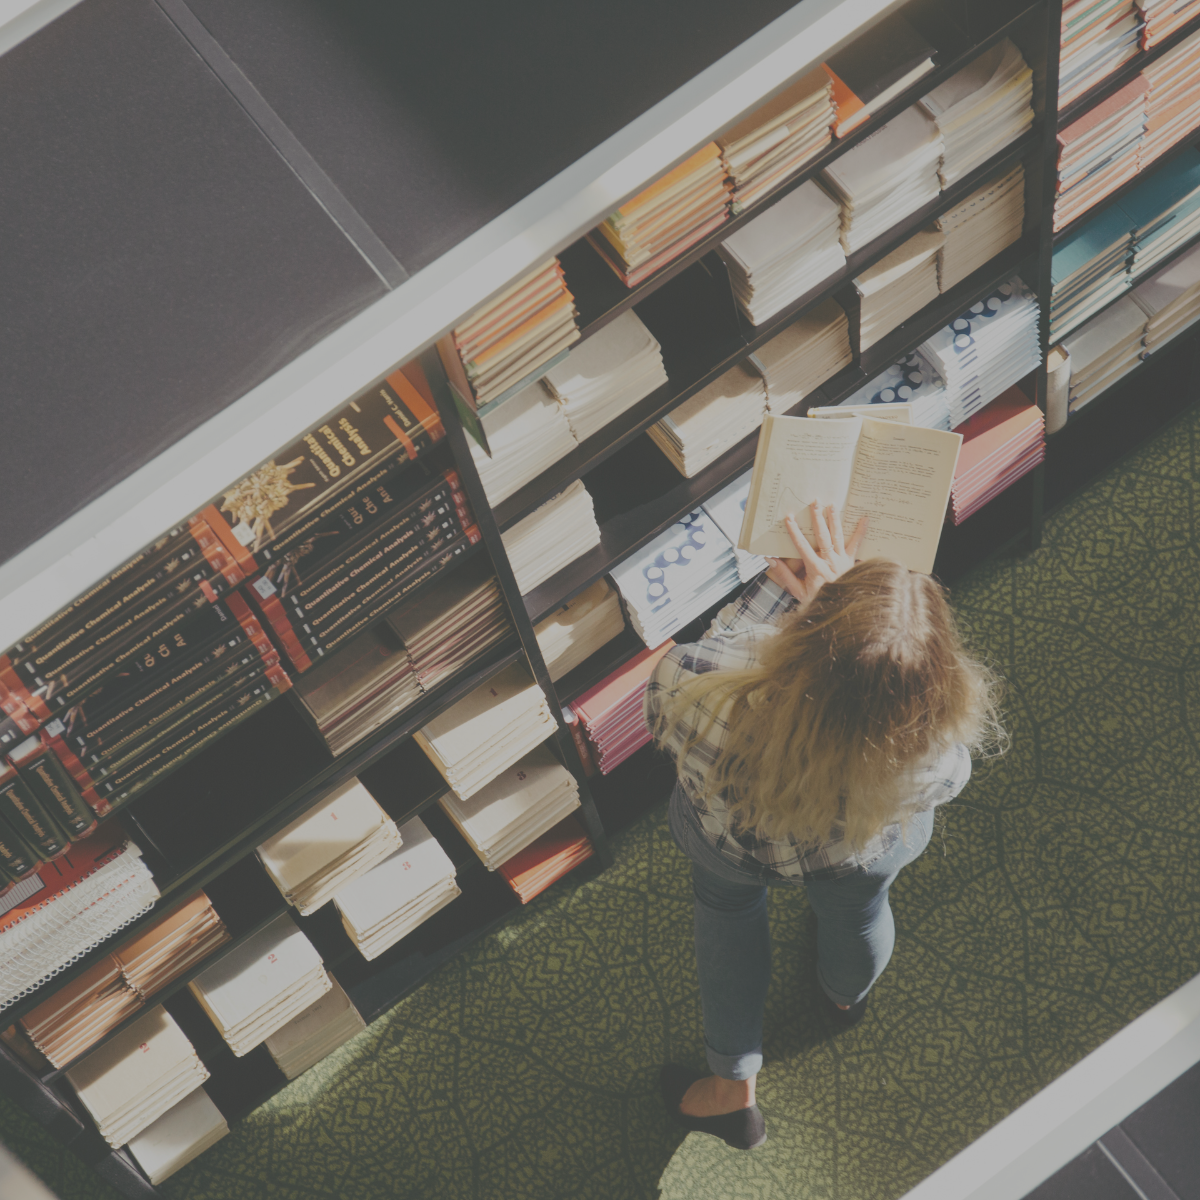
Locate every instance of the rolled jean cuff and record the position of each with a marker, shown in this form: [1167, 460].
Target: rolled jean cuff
[734, 1066]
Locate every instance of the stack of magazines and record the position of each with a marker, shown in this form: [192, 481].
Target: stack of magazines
[1170, 298]
[1000, 444]
[1172, 96]
[812, 349]
[727, 508]
[911, 382]
[181, 1134]
[897, 286]
[316, 1032]
[552, 536]
[1098, 36]
[1163, 211]
[558, 851]
[1088, 269]
[578, 629]
[1163, 17]
[980, 227]
[1104, 350]
[391, 900]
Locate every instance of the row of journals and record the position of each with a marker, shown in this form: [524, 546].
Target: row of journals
[1099, 261]
[1128, 131]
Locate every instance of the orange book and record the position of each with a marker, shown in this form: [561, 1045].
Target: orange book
[670, 179]
[851, 112]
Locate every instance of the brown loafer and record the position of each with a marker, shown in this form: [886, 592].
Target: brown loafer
[743, 1130]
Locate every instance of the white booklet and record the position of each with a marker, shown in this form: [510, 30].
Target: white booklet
[898, 475]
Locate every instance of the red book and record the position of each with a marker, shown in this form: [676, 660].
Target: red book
[532, 870]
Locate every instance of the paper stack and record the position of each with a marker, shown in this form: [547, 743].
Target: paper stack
[1103, 350]
[1097, 37]
[453, 622]
[981, 109]
[578, 629]
[1172, 98]
[552, 536]
[897, 286]
[716, 418]
[368, 681]
[70, 906]
[686, 569]
[522, 329]
[615, 368]
[1000, 444]
[980, 227]
[1099, 152]
[260, 985]
[132, 1080]
[526, 435]
[389, 902]
[812, 349]
[531, 871]
[727, 508]
[181, 1134]
[515, 808]
[1163, 211]
[316, 1032]
[1163, 17]
[887, 177]
[1088, 269]
[987, 349]
[172, 946]
[776, 140]
[338, 839]
[781, 255]
[611, 712]
[911, 381]
[1170, 299]
[663, 221]
[488, 730]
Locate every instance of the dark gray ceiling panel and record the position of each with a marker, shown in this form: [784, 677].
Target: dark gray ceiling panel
[434, 117]
[157, 257]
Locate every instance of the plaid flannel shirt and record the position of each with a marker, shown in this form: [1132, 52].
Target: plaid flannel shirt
[734, 642]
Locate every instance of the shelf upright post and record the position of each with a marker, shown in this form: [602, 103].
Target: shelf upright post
[431, 364]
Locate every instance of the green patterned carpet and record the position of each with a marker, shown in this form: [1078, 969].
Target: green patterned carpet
[1059, 899]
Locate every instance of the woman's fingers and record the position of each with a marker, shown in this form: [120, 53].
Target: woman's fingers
[824, 545]
[779, 572]
[860, 532]
[813, 562]
[834, 521]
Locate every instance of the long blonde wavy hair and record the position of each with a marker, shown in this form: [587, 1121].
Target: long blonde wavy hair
[868, 681]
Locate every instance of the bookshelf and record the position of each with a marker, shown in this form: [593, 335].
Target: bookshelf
[199, 827]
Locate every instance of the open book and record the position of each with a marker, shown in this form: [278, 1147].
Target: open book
[897, 474]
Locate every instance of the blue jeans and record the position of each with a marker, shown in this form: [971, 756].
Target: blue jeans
[855, 935]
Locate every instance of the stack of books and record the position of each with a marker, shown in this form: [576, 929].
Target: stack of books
[667, 218]
[912, 382]
[611, 712]
[980, 227]
[672, 580]
[552, 536]
[987, 349]
[181, 1134]
[530, 324]
[785, 253]
[57, 915]
[887, 177]
[1000, 444]
[776, 140]
[340, 838]
[558, 851]
[367, 682]
[81, 1012]
[260, 985]
[1098, 36]
[315, 1033]
[981, 109]
[1170, 298]
[488, 730]
[1104, 349]
[812, 349]
[897, 286]
[1163, 17]
[716, 418]
[578, 629]
[615, 368]
[727, 508]
[454, 622]
[135, 1078]
[1099, 152]
[390, 901]
[515, 808]
[1088, 269]
[1172, 98]
[525, 436]
[1163, 211]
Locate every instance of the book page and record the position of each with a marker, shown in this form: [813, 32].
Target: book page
[798, 461]
[901, 480]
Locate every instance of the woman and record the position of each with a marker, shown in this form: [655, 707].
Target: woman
[827, 713]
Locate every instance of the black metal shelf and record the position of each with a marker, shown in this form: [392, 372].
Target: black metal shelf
[721, 351]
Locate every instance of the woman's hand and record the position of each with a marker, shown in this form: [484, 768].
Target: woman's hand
[802, 577]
